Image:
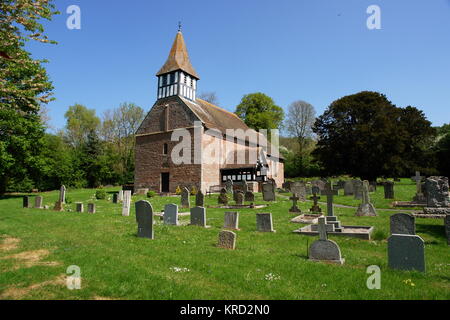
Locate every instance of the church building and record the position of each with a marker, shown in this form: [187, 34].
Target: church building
[179, 110]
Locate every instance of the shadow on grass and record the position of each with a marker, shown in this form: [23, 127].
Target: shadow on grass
[436, 231]
[16, 196]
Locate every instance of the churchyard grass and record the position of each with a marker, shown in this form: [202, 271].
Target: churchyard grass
[183, 262]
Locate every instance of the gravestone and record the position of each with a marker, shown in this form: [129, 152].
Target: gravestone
[231, 220]
[315, 189]
[437, 192]
[126, 203]
[324, 249]
[59, 206]
[331, 220]
[348, 188]
[372, 186]
[294, 208]
[38, 202]
[91, 207]
[239, 198]
[447, 228]
[406, 252]
[144, 219]
[315, 208]
[319, 183]
[171, 214]
[198, 217]
[329, 192]
[403, 223]
[249, 197]
[26, 202]
[227, 240]
[299, 188]
[264, 222]
[244, 186]
[200, 199]
[358, 189]
[388, 190]
[62, 194]
[223, 197]
[80, 207]
[120, 196]
[115, 198]
[268, 190]
[366, 208]
[419, 197]
[229, 186]
[185, 198]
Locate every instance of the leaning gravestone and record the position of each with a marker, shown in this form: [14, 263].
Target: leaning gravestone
[264, 222]
[388, 190]
[249, 197]
[231, 220]
[348, 188]
[447, 228]
[91, 207]
[171, 214]
[223, 197]
[62, 194]
[26, 202]
[406, 252]
[324, 249]
[144, 219]
[185, 199]
[403, 223]
[80, 207]
[126, 203]
[268, 190]
[198, 217]
[227, 240]
[38, 202]
[366, 208]
[200, 199]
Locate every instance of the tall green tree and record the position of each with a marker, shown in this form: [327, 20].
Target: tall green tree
[81, 121]
[259, 111]
[367, 136]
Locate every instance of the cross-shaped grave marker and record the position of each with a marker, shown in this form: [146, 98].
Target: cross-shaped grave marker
[418, 178]
[329, 192]
[294, 199]
[322, 229]
[315, 207]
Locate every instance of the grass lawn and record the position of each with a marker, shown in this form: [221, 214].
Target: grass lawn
[37, 246]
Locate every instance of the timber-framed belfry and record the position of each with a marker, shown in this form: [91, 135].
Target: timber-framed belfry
[216, 145]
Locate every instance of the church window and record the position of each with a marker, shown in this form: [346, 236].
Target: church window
[165, 149]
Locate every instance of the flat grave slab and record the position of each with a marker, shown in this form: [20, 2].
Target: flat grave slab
[360, 232]
[307, 218]
[244, 206]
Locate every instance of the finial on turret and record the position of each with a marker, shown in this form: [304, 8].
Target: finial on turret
[179, 26]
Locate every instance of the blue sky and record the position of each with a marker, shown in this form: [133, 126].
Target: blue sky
[316, 50]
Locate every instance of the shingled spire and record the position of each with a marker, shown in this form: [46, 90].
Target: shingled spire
[177, 76]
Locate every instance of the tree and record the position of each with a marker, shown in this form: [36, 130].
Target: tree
[442, 150]
[300, 119]
[80, 122]
[367, 136]
[210, 97]
[259, 111]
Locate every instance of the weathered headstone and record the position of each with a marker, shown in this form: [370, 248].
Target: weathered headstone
[348, 188]
[437, 192]
[264, 222]
[171, 214]
[324, 249]
[26, 202]
[388, 190]
[38, 202]
[419, 197]
[229, 186]
[120, 196]
[406, 252]
[372, 186]
[62, 194]
[249, 197]
[200, 199]
[91, 207]
[299, 188]
[319, 183]
[80, 207]
[223, 197]
[366, 208]
[294, 208]
[328, 191]
[358, 189]
[185, 198]
[231, 220]
[198, 216]
[403, 223]
[59, 206]
[239, 198]
[447, 228]
[227, 240]
[116, 198]
[244, 186]
[144, 219]
[268, 191]
[126, 204]
[315, 208]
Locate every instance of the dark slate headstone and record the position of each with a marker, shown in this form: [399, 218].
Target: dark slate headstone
[264, 222]
[406, 252]
[227, 240]
[388, 190]
[200, 199]
[171, 214]
[348, 188]
[80, 207]
[358, 189]
[447, 228]
[403, 223]
[91, 207]
[115, 198]
[26, 202]
[144, 219]
[268, 191]
[198, 216]
[185, 198]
